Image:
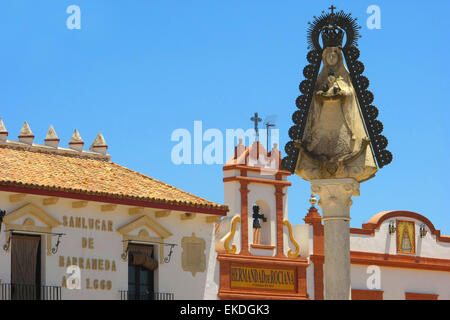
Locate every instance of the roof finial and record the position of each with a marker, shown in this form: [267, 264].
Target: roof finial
[332, 9]
[51, 139]
[99, 145]
[76, 142]
[26, 135]
[3, 131]
[313, 201]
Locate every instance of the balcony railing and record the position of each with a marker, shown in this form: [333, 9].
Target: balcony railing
[125, 295]
[16, 291]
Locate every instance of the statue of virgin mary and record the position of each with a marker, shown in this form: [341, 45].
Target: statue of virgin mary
[335, 142]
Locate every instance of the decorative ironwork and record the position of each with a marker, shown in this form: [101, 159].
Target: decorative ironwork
[124, 255]
[332, 26]
[58, 241]
[54, 249]
[19, 291]
[126, 295]
[256, 120]
[8, 243]
[392, 227]
[369, 111]
[166, 259]
[422, 231]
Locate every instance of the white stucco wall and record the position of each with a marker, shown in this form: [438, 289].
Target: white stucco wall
[169, 277]
[383, 242]
[396, 281]
[393, 281]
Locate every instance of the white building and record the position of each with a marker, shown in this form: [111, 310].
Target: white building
[126, 235]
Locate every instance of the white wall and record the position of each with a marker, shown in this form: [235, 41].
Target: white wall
[396, 281]
[393, 281]
[108, 245]
[383, 242]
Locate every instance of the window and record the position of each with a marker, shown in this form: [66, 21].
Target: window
[25, 267]
[141, 268]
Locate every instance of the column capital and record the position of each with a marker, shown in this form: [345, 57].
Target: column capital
[335, 197]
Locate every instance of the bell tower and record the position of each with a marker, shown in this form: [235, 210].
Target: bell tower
[257, 253]
[256, 191]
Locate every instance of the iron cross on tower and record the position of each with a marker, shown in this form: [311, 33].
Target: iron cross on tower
[256, 119]
[332, 9]
[268, 125]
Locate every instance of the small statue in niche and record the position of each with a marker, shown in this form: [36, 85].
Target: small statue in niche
[256, 224]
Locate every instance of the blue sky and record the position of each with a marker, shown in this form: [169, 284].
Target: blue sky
[138, 70]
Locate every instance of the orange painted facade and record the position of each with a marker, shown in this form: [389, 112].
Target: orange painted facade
[297, 266]
[245, 260]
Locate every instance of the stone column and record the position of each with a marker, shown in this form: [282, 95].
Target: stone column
[335, 201]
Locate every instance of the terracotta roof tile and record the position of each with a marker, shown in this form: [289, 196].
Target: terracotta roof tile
[52, 171]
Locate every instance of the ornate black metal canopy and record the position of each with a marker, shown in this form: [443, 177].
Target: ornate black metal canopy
[331, 27]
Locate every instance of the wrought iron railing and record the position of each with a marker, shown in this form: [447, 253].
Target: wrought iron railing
[125, 295]
[17, 291]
